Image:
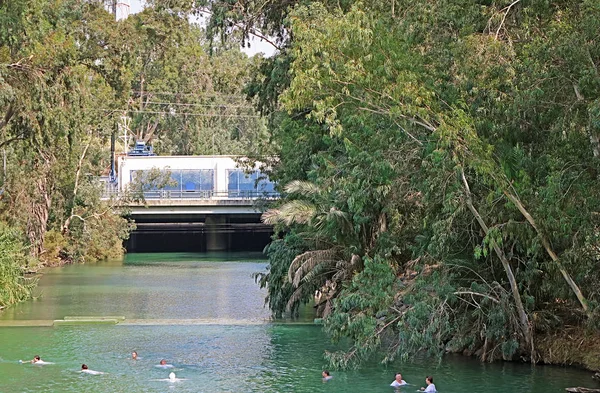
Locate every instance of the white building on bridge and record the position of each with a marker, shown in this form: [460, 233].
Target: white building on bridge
[208, 202]
[193, 177]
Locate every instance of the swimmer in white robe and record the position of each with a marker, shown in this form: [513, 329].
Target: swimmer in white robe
[172, 378]
[398, 381]
[86, 370]
[430, 386]
[36, 360]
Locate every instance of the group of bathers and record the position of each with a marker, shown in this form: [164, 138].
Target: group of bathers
[86, 370]
[429, 388]
[398, 381]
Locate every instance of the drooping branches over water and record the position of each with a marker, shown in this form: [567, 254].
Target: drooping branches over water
[449, 146]
[69, 73]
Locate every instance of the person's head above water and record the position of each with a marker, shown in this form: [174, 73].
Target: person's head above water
[325, 373]
[163, 362]
[84, 367]
[36, 359]
[172, 376]
[428, 379]
[134, 355]
[399, 377]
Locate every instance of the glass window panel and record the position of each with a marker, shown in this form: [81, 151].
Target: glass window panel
[206, 179]
[233, 183]
[135, 176]
[175, 183]
[188, 181]
[247, 181]
[265, 184]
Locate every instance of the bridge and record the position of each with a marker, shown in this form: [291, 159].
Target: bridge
[193, 203]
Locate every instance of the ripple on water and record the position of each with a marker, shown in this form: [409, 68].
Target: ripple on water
[207, 319]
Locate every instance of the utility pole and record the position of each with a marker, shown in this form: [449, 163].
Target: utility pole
[121, 9]
[4, 168]
[124, 126]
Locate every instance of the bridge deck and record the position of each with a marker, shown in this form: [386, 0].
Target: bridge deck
[192, 202]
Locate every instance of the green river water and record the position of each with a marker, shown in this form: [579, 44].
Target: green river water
[205, 315]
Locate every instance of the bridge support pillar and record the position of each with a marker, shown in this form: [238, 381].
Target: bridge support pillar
[216, 240]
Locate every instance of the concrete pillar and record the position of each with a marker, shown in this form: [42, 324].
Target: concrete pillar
[131, 242]
[215, 241]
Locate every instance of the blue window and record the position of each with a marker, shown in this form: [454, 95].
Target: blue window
[248, 184]
[182, 180]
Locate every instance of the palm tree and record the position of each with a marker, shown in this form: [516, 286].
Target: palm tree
[319, 272]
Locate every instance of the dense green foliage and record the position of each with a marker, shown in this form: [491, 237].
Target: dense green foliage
[55, 131]
[440, 159]
[448, 158]
[14, 287]
[69, 75]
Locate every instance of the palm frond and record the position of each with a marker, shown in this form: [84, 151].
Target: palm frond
[345, 268]
[292, 212]
[307, 261]
[302, 187]
[271, 217]
[317, 274]
[340, 275]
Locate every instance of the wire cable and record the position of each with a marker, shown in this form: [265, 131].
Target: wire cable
[195, 114]
[200, 105]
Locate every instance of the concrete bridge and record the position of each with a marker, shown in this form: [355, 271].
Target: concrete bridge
[194, 203]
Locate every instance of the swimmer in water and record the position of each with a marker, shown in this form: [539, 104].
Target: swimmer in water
[430, 386]
[163, 364]
[398, 381]
[172, 378]
[36, 360]
[134, 355]
[86, 370]
[326, 376]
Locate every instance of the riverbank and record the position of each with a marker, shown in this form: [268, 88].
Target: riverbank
[572, 346]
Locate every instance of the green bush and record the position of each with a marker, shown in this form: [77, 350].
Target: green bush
[14, 286]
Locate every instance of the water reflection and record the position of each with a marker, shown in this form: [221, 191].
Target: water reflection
[157, 286]
[207, 319]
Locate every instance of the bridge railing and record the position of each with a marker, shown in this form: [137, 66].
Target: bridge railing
[199, 195]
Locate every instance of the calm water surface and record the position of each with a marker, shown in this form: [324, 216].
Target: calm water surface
[205, 315]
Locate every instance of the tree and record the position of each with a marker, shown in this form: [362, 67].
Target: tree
[493, 225]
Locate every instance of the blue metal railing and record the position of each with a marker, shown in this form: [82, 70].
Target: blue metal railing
[197, 195]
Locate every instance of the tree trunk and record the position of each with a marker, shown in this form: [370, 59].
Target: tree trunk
[548, 248]
[38, 219]
[65, 226]
[523, 318]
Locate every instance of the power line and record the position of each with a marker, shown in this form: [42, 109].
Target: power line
[199, 94]
[201, 105]
[196, 114]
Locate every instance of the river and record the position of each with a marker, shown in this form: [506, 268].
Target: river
[204, 314]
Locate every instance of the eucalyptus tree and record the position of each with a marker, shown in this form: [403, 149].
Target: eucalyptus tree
[414, 76]
[470, 130]
[186, 97]
[59, 125]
